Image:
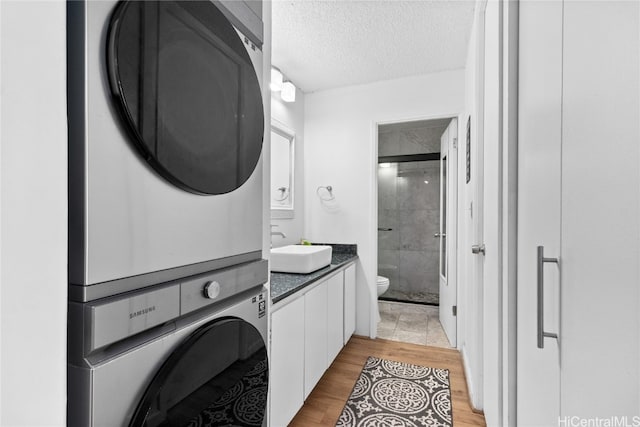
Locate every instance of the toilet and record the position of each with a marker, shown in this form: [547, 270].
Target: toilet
[383, 285]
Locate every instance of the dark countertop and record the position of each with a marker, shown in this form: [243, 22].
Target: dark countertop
[285, 284]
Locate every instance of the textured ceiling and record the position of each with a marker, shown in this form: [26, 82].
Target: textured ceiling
[321, 44]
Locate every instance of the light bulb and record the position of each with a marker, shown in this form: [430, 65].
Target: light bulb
[288, 93]
[276, 80]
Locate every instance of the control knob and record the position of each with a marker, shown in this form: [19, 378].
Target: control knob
[212, 289]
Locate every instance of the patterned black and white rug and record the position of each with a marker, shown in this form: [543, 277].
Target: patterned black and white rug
[242, 405]
[398, 394]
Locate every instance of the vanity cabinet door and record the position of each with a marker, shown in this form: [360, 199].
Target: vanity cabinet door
[349, 302]
[315, 336]
[335, 313]
[287, 362]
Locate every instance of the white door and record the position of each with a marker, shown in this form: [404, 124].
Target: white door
[448, 230]
[472, 221]
[539, 194]
[579, 202]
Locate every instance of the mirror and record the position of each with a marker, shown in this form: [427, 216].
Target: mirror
[282, 160]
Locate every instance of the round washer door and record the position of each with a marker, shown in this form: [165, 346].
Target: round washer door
[217, 376]
[187, 91]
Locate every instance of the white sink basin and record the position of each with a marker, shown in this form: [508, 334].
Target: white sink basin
[299, 258]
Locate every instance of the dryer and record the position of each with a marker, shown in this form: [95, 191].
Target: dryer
[166, 124]
[170, 356]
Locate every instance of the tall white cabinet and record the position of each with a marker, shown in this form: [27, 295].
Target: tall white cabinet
[578, 200]
[308, 330]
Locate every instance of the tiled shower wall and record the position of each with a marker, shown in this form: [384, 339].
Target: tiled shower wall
[409, 204]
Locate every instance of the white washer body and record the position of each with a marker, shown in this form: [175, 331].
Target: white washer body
[107, 384]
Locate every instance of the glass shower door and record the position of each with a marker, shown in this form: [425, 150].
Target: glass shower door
[408, 218]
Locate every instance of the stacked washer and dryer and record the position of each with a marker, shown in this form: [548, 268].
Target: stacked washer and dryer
[167, 309]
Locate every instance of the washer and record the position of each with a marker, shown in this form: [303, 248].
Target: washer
[170, 356]
[166, 123]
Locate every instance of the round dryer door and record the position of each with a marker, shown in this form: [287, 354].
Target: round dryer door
[187, 91]
[217, 376]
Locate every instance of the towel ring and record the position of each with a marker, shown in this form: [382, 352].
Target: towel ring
[284, 194]
[329, 190]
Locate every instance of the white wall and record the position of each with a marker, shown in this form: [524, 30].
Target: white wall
[340, 135]
[33, 178]
[1, 216]
[292, 116]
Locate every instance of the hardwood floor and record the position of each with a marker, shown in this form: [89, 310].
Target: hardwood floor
[325, 403]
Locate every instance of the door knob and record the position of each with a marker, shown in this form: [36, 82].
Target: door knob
[478, 249]
[439, 234]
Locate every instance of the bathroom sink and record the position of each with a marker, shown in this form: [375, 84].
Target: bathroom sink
[299, 258]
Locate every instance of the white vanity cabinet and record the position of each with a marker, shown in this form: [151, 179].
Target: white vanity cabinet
[335, 317]
[287, 362]
[349, 302]
[315, 335]
[308, 330]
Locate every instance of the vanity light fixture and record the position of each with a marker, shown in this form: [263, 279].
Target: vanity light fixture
[288, 93]
[276, 80]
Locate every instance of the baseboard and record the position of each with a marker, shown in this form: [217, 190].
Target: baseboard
[469, 380]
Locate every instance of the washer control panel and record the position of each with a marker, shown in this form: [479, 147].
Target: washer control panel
[213, 287]
[109, 320]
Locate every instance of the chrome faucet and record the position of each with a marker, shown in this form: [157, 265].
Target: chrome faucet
[277, 233]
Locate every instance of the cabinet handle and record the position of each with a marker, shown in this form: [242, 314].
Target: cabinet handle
[541, 333]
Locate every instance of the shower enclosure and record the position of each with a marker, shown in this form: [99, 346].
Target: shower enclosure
[408, 223]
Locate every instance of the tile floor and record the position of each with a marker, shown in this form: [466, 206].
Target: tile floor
[412, 323]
